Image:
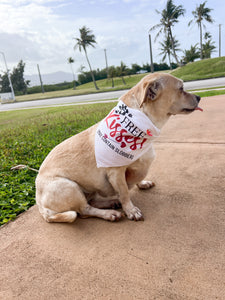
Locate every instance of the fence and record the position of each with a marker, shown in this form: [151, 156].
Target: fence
[6, 98]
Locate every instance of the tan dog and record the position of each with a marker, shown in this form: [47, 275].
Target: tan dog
[69, 181]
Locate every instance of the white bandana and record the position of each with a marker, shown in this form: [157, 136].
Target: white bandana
[123, 136]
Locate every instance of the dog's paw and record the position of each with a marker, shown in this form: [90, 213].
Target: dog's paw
[145, 184]
[113, 215]
[134, 213]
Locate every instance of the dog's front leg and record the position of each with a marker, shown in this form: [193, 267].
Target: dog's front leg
[117, 179]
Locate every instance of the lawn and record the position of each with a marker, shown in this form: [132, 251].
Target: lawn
[202, 69]
[26, 137]
[211, 93]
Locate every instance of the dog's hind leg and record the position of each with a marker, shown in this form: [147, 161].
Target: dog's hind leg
[60, 200]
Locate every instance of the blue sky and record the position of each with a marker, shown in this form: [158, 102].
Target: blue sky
[41, 31]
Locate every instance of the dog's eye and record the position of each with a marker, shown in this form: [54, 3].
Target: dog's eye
[181, 89]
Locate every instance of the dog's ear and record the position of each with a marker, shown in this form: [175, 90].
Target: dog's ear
[151, 91]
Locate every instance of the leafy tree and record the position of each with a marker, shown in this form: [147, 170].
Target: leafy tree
[17, 78]
[5, 87]
[161, 67]
[85, 40]
[146, 67]
[71, 61]
[167, 49]
[200, 14]
[192, 54]
[169, 16]
[135, 68]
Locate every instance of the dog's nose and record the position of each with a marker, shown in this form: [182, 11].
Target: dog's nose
[198, 98]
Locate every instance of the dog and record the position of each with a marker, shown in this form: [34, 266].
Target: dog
[92, 172]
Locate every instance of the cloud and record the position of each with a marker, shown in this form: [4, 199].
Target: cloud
[32, 31]
[18, 47]
[42, 31]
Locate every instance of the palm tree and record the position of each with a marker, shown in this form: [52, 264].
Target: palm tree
[208, 47]
[169, 16]
[86, 39]
[207, 35]
[71, 61]
[112, 73]
[200, 14]
[167, 49]
[81, 69]
[122, 71]
[192, 54]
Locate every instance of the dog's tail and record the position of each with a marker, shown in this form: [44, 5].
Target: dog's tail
[54, 217]
[21, 167]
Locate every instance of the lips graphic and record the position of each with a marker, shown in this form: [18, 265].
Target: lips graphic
[149, 132]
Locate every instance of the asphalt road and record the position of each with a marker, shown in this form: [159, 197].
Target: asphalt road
[200, 84]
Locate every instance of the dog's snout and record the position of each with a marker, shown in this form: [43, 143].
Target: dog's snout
[198, 98]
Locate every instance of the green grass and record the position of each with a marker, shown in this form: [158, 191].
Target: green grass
[211, 93]
[207, 68]
[104, 85]
[210, 88]
[26, 137]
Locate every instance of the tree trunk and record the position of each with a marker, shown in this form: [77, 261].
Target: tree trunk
[174, 52]
[92, 75]
[74, 80]
[170, 62]
[123, 81]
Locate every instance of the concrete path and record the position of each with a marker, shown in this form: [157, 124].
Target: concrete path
[177, 253]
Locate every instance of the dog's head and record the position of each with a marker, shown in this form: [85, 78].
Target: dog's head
[162, 95]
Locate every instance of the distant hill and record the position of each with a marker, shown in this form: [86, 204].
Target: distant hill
[51, 78]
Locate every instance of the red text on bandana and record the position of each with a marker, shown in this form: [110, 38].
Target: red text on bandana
[132, 135]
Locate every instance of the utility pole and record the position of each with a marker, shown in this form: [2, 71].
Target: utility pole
[7, 72]
[220, 40]
[150, 48]
[42, 87]
[107, 69]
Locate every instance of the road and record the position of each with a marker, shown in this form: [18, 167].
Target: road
[200, 84]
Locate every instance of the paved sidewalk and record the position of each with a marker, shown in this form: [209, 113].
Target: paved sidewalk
[178, 252]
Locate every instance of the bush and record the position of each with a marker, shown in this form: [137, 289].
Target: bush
[51, 87]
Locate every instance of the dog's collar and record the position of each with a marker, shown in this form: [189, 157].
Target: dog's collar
[123, 136]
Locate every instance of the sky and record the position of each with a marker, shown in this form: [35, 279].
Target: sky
[43, 31]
